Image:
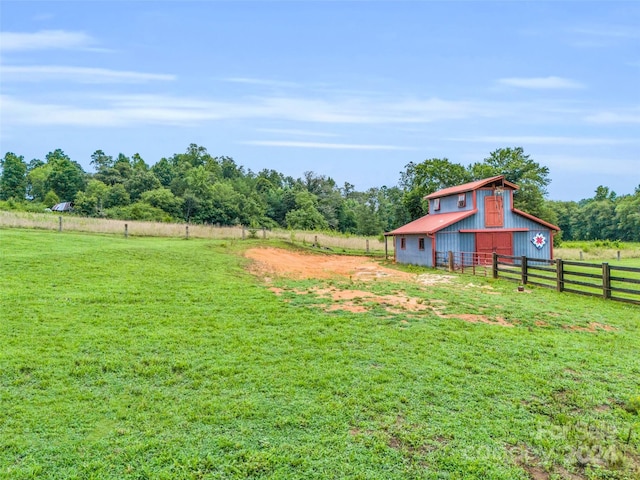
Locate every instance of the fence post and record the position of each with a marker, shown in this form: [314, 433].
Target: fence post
[618, 255]
[606, 281]
[315, 240]
[367, 245]
[243, 233]
[386, 248]
[450, 258]
[494, 264]
[59, 224]
[264, 232]
[525, 277]
[186, 231]
[559, 275]
[461, 262]
[126, 231]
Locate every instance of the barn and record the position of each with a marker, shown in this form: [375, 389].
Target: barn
[477, 217]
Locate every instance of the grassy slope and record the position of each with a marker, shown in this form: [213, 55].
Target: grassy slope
[163, 358]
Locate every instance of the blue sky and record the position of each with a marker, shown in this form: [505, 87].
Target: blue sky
[353, 90]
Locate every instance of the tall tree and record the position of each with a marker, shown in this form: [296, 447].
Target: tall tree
[306, 215]
[518, 168]
[66, 178]
[628, 217]
[420, 179]
[13, 179]
[101, 161]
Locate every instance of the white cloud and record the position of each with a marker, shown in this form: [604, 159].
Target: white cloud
[540, 82]
[36, 73]
[140, 109]
[631, 116]
[305, 133]
[617, 31]
[333, 146]
[260, 81]
[44, 40]
[589, 165]
[545, 140]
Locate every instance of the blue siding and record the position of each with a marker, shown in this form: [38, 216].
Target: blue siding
[467, 242]
[522, 245]
[448, 241]
[411, 254]
[450, 204]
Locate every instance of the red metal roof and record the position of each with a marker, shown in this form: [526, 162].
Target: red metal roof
[431, 223]
[467, 187]
[535, 219]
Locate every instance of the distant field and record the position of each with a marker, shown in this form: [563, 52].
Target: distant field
[166, 358]
[72, 223]
[598, 250]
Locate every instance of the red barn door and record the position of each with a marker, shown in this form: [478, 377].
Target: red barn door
[499, 242]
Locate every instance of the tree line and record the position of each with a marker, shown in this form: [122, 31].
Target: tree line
[197, 187]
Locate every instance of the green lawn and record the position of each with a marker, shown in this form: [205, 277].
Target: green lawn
[164, 358]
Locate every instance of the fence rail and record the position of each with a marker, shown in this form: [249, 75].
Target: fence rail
[73, 223]
[465, 262]
[611, 282]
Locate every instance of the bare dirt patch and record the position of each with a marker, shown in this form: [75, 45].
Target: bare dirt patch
[275, 262]
[280, 262]
[592, 327]
[527, 460]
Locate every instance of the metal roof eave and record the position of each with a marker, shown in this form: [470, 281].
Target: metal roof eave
[469, 187]
[429, 230]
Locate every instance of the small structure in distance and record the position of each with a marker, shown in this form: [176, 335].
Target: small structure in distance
[62, 207]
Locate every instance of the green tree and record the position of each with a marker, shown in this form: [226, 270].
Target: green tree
[420, 179]
[105, 168]
[628, 217]
[328, 196]
[66, 178]
[164, 171]
[224, 205]
[138, 163]
[37, 186]
[13, 179]
[566, 214]
[91, 201]
[306, 216]
[163, 199]
[518, 168]
[50, 199]
[596, 220]
[139, 182]
[116, 196]
[101, 161]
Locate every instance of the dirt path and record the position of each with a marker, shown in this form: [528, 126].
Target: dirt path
[276, 262]
[270, 262]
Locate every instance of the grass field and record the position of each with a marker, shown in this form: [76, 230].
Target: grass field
[165, 358]
[72, 223]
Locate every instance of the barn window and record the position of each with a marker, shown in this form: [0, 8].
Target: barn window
[436, 204]
[421, 244]
[403, 243]
[462, 200]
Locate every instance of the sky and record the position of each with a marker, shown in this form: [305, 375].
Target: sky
[354, 90]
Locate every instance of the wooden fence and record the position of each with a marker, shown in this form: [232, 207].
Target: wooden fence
[595, 279]
[465, 262]
[130, 228]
